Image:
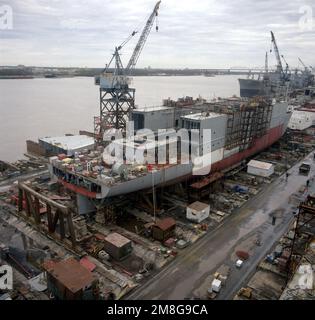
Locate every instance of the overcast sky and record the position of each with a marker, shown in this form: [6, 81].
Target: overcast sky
[192, 33]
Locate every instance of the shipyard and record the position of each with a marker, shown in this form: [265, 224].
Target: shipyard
[157, 183]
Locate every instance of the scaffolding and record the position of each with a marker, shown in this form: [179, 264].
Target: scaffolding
[233, 135]
[248, 123]
[106, 215]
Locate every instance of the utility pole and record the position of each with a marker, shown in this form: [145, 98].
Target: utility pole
[153, 196]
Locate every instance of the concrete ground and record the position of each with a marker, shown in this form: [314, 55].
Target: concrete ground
[186, 276]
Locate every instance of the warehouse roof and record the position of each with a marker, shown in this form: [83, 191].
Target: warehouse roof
[260, 164]
[151, 109]
[70, 273]
[69, 142]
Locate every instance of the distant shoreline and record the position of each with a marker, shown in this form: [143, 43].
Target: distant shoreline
[62, 77]
[34, 77]
[23, 72]
[16, 77]
[89, 76]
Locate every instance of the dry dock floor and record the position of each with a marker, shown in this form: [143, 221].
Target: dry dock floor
[186, 277]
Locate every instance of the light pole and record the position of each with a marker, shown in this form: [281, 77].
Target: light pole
[153, 196]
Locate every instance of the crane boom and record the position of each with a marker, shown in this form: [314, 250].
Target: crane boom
[279, 64]
[305, 67]
[286, 64]
[144, 35]
[117, 99]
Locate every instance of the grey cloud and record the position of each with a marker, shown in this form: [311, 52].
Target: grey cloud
[204, 33]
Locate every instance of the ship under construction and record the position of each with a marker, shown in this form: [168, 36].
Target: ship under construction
[276, 82]
[239, 129]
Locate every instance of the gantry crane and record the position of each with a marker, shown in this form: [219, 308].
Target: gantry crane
[117, 99]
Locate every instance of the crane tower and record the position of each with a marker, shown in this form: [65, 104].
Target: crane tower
[117, 99]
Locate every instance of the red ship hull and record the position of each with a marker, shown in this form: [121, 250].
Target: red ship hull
[260, 144]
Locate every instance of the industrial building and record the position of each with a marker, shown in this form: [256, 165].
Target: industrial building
[69, 280]
[164, 229]
[67, 145]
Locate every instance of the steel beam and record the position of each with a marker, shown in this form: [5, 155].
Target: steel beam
[55, 213]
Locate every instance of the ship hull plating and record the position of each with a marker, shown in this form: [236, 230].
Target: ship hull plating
[179, 172]
[223, 157]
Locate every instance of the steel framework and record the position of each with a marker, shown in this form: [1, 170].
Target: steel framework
[250, 122]
[55, 220]
[115, 109]
[303, 232]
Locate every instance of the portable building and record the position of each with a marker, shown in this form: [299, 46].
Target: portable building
[117, 246]
[197, 211]
[164, 229]
[260, 168]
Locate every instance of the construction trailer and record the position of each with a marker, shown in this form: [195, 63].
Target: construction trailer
[117, 246]
[164, 229]
[197, 211]
[69, 280]
[260, 168]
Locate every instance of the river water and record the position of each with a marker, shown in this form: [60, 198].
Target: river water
[32, 108]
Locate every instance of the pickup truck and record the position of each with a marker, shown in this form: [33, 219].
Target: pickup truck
[305, 168]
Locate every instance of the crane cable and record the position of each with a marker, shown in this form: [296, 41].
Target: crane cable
[156, 21]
